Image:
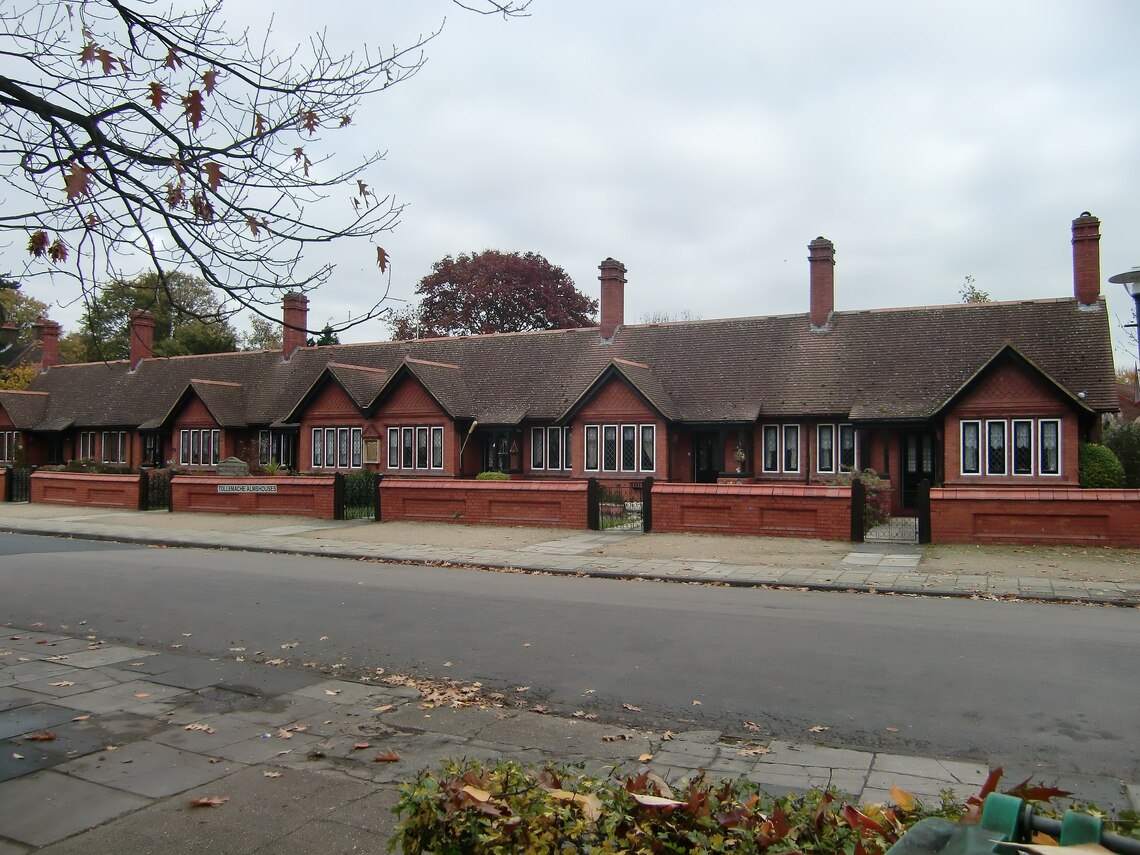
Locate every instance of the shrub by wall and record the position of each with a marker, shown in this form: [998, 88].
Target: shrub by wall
[1098, 467]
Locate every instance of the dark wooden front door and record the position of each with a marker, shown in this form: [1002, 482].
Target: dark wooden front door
[918, 456]
[708, 456]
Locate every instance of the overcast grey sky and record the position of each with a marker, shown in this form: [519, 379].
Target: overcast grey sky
[704, 144]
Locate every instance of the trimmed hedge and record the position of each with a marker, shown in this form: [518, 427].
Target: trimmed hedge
[1098, 468]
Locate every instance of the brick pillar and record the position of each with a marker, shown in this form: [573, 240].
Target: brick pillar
[612, 278]
[1086, 259]
[48, 334]
[821, 258]
[142, 336]
[296, 322]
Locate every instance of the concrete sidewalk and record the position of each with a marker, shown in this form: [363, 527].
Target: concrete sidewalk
[135, 735]
[871, 567]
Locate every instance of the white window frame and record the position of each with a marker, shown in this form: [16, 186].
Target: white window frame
[1013, 448]
[617, 448]
[839, 431]
[977, 424]
[567, 450]
[330, 448]
[407, 448]
[183, 447]
[343, 448]
[819, 449]
[553, 449]
[1041, 448]
[597, 443]
[1005, 446]
[784, 450]
[394, 443]
[356, 447]
[8, 446]
[114, 441]
[537, 448]
[436, 431]
[633, 446]
[764, 429]
[641, 429]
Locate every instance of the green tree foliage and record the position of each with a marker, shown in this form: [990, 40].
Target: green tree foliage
[1097, 467]
[261, 335]
[18, 376]
[19, 309]
[328, 336]
[1123, 439]
[188, 318]
[971, 293]
[140, 132]
[493, 291]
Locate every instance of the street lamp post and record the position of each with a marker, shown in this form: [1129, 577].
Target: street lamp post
[1130, 279]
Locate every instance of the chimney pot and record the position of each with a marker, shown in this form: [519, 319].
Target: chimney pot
[295, 317]
[821, 259]
[142, 336]
[1086, 259]
[47, 332]
[612, 278]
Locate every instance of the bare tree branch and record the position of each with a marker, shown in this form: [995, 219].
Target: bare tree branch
[136, 136]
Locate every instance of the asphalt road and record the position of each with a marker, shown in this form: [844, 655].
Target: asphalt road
[1046, 688]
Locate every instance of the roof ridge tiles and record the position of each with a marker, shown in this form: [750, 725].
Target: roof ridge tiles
[415, 361]
[331, 364]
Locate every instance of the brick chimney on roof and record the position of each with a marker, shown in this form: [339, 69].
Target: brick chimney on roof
[142, 336]
[821, 259]
[47, 332]
[1086, 259]
[296, 323]
[612, 278]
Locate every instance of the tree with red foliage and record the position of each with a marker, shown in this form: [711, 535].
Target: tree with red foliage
[491, 292]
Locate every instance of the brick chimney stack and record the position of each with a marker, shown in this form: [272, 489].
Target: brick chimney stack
[296, 321]
[612, 277]
[47, 332]
[1086, 259]
[8, 335]
[142, 336]
[821, 258]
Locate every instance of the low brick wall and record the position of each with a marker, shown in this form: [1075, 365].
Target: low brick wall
[764, 510]
[554, 504]
[308, 497]
[3, 483]
[1030, 515]
[93, 490]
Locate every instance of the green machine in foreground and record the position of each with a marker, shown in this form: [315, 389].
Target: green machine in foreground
[1007, 820]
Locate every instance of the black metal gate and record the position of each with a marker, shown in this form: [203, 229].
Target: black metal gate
[20, 484]
[620, 505]
[155, 490]
[357, 496]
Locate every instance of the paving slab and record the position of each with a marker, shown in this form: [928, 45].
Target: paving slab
[26, 672]
[106, 656]
[47, 806]
[148, 769]
[774, 778]
[74, 681]
[562, 737]
[805, 754]
[137, 696]
[19, 758]
[33, 717]
[15, 696]
[260, 811]
[923, 767]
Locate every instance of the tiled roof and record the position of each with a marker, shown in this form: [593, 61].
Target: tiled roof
[224, 400]
[897, 364]
[25, 409]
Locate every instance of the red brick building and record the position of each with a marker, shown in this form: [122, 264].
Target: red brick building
[994, 395]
